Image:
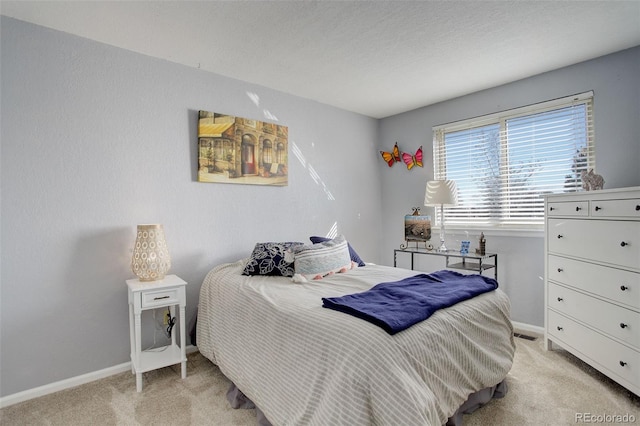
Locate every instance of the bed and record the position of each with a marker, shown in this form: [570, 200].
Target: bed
[302, 364]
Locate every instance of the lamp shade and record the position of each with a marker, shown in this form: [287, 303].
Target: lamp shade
[151, 260]
[441, 192]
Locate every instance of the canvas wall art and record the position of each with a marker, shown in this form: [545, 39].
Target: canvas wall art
[241, 150]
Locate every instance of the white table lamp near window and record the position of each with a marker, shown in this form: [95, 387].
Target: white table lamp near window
[441, 193]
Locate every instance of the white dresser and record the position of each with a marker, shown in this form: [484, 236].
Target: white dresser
[592, 280]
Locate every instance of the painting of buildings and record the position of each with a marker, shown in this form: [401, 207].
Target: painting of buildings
[240, 150]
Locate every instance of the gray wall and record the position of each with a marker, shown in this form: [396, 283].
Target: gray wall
[97, 139]
[615, 80]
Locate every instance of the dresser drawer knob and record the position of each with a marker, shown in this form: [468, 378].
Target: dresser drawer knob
[622, 363]
[623, 244]
[638, 207]
[560, 299]
[553, 208]
[578, 208]
[624, 288]
[560, 270]
[559, 236]
[598, 208]
[623, 325]
[559, 328]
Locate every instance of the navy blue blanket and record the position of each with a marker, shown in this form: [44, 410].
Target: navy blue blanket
[398, 305]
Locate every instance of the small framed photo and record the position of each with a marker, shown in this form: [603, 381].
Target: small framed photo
[417, 228]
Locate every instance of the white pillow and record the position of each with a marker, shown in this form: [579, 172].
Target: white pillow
[319, 260]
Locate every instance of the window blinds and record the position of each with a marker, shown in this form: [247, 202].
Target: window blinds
[503, 163]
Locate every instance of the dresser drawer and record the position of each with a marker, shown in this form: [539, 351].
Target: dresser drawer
[618, 322]
[616, 243]
[617, 285]
[612, 358]
[163, 297]
[629, 208]
[568, 208]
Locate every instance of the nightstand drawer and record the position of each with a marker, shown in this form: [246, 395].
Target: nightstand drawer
[160, 297]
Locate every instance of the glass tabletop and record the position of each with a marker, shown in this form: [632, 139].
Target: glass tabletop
[435, 252]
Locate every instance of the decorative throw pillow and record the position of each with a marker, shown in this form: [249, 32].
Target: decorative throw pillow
[352, 253]
[269, 259]
[321, 259]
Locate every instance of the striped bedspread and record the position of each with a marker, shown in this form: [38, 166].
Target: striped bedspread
[306, 365]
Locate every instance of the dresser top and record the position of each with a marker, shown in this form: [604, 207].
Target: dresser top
[601, 194]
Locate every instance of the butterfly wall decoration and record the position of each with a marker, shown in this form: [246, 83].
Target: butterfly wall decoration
[391, 157]
[413, 160]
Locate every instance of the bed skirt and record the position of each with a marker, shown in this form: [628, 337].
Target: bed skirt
[476, 400]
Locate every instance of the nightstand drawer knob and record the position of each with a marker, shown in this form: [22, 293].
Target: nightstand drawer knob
[559, 328]
[624, 288]
[623, 244]
[638, 208]
[623, 325]
[560, 270]
[622, 363]
[553, 208]
[598, 208]
[559, 236]
[578, 209]
[560, 299]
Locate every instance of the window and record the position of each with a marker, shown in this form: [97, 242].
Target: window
[503, 163]
[267, 152]
[280, 152]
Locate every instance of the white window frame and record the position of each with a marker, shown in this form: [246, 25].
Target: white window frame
[461, 217]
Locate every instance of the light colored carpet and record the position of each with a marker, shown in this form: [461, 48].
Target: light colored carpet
[545, 388]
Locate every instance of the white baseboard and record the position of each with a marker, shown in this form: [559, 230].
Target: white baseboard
[71, 382]
[533, 329]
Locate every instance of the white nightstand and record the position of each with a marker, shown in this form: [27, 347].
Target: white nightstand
[167, 292]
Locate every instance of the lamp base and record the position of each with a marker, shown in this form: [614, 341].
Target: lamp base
[442, 248]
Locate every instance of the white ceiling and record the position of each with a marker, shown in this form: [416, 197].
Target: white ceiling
[377, 58]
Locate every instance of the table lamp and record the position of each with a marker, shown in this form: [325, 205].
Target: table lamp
[151, 260]
[441, 193]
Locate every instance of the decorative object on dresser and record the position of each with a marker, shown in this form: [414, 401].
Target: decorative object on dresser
[441, 193]
[151, 260]
[592, 279]
[591, 181]
[417, 229]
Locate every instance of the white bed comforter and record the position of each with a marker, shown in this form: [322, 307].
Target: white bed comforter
[303, 364]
